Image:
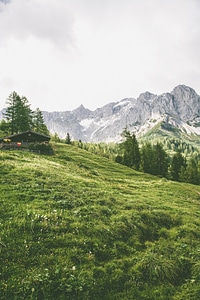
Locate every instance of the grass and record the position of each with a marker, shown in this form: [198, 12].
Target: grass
[78, 226]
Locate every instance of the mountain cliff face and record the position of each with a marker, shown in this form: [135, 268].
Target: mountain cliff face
[179, 109]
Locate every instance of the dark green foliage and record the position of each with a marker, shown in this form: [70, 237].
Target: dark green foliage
[68, 139]
[119, 159]
[185, 171]
[18, 113]
[150, 159]
[161, 160]
[177, 165]
[154, 159]
[192, 174]
[147, 159]
[4, 128]
[38, 123]
[19, 117]
[41, 148]
[131, 153]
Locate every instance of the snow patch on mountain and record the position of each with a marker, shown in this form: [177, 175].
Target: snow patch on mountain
[189, 129]
[123, 103]
[86, 123]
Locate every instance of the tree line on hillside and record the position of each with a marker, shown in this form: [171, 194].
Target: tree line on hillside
[148, 158]
[153, 159]
[19, 117]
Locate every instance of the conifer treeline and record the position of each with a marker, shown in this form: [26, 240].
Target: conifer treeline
[153, 159]
[19, 117]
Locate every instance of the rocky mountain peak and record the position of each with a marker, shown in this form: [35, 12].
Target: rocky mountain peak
[146, 96]
[80, 109]
[183, 92]
[80, 112]
[187, 101]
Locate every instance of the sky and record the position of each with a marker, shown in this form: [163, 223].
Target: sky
[64, 53]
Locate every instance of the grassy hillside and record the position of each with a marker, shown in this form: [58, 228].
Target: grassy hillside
[78, 226]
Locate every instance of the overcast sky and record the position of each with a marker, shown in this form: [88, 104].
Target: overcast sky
[63, 53]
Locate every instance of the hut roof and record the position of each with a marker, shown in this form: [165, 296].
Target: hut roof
[27, 136]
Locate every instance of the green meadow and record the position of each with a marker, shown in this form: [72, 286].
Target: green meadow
[75, 225]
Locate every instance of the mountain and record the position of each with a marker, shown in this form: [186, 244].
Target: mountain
[175, 113]
[177, 110]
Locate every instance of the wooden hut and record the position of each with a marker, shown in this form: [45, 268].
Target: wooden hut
[23, 139]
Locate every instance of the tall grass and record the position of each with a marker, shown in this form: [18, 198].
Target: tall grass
[75, 225]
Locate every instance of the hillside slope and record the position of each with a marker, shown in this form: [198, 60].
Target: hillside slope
[78, 226]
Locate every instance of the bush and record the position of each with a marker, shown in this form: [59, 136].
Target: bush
[42, 148]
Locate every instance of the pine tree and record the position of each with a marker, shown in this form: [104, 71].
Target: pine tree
[68, 139]
[191, 172]
[131, 156]
[161, 160]
[18, 113]
[11, 111]
[178, 165]
[25, 115]
[56, 138]
[147, 159]
[38, 122]
[4, 128]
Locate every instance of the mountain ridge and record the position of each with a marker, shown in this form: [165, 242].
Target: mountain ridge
[178, 109]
